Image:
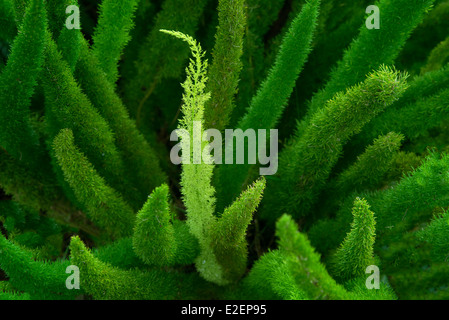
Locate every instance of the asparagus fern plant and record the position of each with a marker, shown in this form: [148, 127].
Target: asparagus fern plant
[87, 180]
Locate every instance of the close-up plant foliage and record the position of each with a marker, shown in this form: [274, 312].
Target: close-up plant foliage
[88, 182]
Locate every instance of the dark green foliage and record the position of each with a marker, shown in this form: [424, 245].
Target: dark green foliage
[92, 132]
[112, 34]
[38, 278]
[87, 176]
[267, 105]
[371, 166]
[384, 46]
[156, 240]
[20, 7]
[261, 15]
[26, 228]
[105, 282]
[270, 278]
[232, 225]
[7, 26]
[138, 156]
[30, 188]
[102, 203]
[437, 57]
[307, 162]
[68, 39]
[397, 209]
[119, 254]
[166, 59]
[437, 234]
[304, 263]
[11, 295]
[225, 69]
[358, 288]
[356, 252]
[17, 86]
[398, 117]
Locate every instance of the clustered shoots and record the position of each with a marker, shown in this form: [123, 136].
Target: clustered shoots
[87, 180]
